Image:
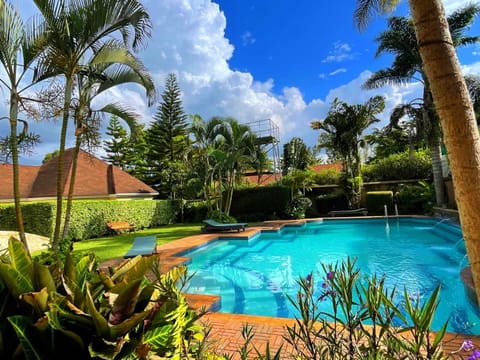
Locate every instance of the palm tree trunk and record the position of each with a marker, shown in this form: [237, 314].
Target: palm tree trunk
[16, 177]
[61, 153]
[73, 176]
[457, 118]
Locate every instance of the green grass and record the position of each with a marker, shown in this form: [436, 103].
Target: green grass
[109, 247]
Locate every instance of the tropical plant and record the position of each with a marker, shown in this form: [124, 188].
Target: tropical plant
[400, 40]
[296, 155]
[453, 105]
[342, 129]
[205, 135]
[72, 310]
[236, 148]
[20, 47]
[75, 29]
[110, 66]
[167, 136]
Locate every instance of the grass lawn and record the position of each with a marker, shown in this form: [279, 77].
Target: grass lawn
[109, 247]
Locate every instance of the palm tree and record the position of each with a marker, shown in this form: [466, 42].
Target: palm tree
[205, 134]
[400, 40]
[122, 67]
[76, 28]
[19, 48]
[455, 110]
[343, 128]
[237, 148]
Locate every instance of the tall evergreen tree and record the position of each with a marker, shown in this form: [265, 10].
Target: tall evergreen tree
[118, 147]
[167, 136]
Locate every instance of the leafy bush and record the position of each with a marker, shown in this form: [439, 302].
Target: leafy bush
[327, 177]
[396, 331]
[90, 314]
[400, 167]
[299, 206]
[415, 199]
[376, 201]
[38, 217]
[195, 211]
[334, 201]
[260, 203]
[221, 217]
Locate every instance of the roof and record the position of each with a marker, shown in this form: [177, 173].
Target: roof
[322, 167]
[94, 179]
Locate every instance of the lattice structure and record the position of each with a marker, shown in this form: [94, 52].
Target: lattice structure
[268, 135]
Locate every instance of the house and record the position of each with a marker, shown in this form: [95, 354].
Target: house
[95, 179]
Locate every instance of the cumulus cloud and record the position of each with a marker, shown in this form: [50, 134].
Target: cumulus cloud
[189, 40]
[341, 52]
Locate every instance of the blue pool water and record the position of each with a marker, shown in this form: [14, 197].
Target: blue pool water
[253, 276]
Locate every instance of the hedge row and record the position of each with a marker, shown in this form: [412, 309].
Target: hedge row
[260, 203]
[90, 216]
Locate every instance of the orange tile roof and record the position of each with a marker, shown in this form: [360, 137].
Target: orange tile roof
[321, 167]
[94, 178]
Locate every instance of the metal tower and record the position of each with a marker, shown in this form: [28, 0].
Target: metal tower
[268, 135]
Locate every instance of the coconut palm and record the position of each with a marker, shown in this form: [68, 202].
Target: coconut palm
[75, 29]
[343, 128]
[400, 40]
[454, 107]
[20, 46]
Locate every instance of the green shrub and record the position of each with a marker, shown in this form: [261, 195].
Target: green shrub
[336, 200]
[260, 203]
[38, 217]
[220, 217]
[376, 201]
[195, 211]
[400, 167]
[415, 199]
[327, 177]
[299, 206]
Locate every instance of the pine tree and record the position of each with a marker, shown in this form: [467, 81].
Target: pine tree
[118, 148]
[168, 135]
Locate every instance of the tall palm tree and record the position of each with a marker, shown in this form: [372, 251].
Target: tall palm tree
[237, 147]
[205, 134]
[19, 48]
[121, 67]
[343, 128]
[76, 28]
[400, 40]
[455, 110]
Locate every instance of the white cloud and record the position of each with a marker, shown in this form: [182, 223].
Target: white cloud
[452, 5]
[189, 39]
[248, 39]
[471, 69]
[341, 52]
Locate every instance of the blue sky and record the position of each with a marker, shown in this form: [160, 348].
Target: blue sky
[257, 59]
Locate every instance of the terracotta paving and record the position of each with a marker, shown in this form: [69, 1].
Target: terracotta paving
[226, 329]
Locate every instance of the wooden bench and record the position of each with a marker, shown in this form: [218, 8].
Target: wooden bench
[115, 227]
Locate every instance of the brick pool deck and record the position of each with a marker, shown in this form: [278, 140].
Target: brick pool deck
[225, 336]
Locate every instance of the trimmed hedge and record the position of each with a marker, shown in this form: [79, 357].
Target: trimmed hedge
[89, 217]
[260, 203]
[399, 167]
[376, 201]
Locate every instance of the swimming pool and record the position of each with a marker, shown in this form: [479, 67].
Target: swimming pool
[253, 276]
